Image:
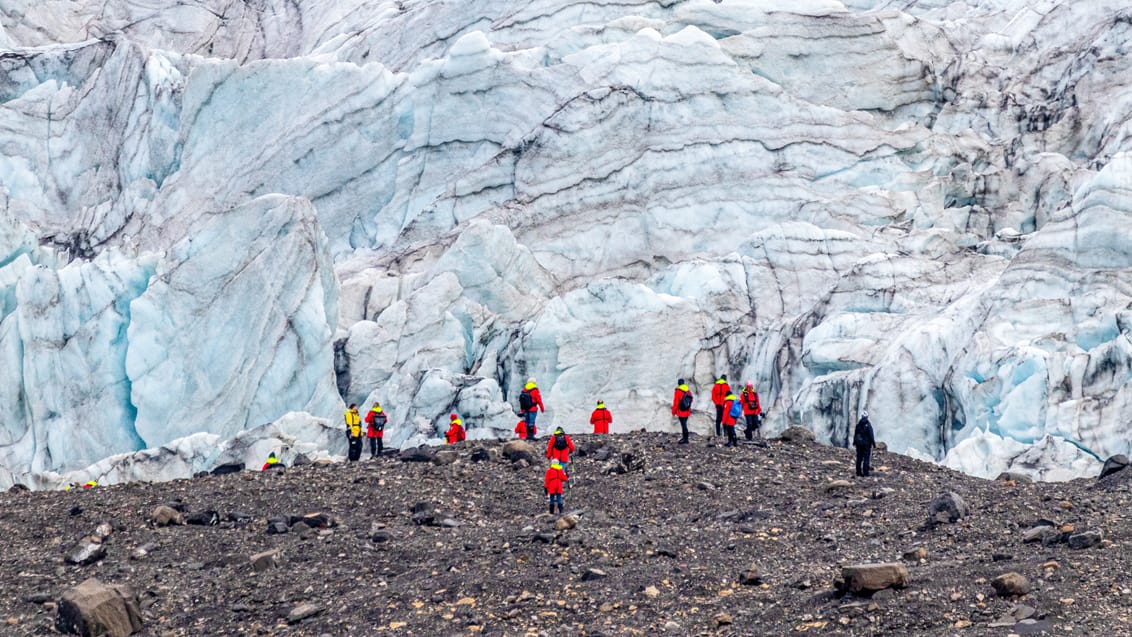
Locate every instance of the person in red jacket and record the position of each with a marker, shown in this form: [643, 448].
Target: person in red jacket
[718, 396]
[553, 483]
[375, 429]
[730, 417]
[751, 410]
[559, 447]
[521, 429]
[682, 407]
[601, 418]
[455, 431]
[530, 403]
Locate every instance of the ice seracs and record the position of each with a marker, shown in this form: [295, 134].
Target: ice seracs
[209, 222]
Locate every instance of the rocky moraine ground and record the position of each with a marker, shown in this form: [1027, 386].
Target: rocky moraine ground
[658, 538]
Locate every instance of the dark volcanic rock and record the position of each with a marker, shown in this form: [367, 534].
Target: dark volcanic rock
[670, 552]
[1116, 463]
[867, 578]
[203, 518]
[946, 508]
[1011, 584]
[420, 454]
[88, 550]
[225, 469]
[93, 608]
[1085, 539]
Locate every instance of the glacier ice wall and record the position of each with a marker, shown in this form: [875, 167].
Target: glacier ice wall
[215, 214]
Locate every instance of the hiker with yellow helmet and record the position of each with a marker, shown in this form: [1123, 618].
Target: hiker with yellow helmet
[601, 418]
[354, 432]
[553, 483]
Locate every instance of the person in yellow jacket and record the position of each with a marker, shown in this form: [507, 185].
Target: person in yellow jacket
[354, 432]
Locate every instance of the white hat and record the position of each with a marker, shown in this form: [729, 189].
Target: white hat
[864, 413]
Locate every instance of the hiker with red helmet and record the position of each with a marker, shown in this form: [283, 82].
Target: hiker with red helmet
[752, 410]
[455, 431]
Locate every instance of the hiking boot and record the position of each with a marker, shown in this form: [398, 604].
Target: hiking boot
[683, 441]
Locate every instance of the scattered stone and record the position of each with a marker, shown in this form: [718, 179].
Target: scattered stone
[1001, 557]
[1013, 476]
[1045, 534]
[721, 619]
[141, 552]
[224, 469]
[239, 519]
[947, 507]
[566, 522]
[751, 576]
[420, 454]
[203, 518]
[671, 627]
[837, 485]
[652, 592]
[93, 608]
[88, 550]
[166, 515]
[381, 536]
[424, 513]
[705, 486]
[1032, 627]
[545, 538]
[797, 434]
[516, 450]
[303, 611]
[278, 525]
[918, 554]
[864, 578]
[314, 520]
[265, 561]
[592, 574]
[445, 457]
[448, 523]
[1011, 584]
[1114, 464]
[1085, 539]
[103, 531]
[480, 455]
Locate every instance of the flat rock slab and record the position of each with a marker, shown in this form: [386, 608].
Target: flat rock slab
[93, 608]
[868, 578]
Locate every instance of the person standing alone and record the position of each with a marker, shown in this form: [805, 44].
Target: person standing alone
[354, 432]
[864, 441]
[530, 403]
[682, 407]
[601, 418]
[719, 395]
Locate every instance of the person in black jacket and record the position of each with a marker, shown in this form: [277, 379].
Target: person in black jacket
[865, 442]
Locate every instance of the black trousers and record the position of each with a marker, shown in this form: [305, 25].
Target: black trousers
[752, 425]
[731, 439]
[375, 446]
[355, 449]
[718, 420]
[683, 426]
[864, 456]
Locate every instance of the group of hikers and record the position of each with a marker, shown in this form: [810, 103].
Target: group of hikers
[729, 409]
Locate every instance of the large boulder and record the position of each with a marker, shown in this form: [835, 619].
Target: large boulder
[1011, 584]
[869, 578]
[797, 434]
[516, 450]
[1114, 464]
[947, 507]
[95, 609]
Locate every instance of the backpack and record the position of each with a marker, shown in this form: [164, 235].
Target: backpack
[560, 441]
[860, 438]
[736, 409]
[525, 402]
[685, 401]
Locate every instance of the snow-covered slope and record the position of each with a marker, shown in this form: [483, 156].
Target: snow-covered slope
[219, 213]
